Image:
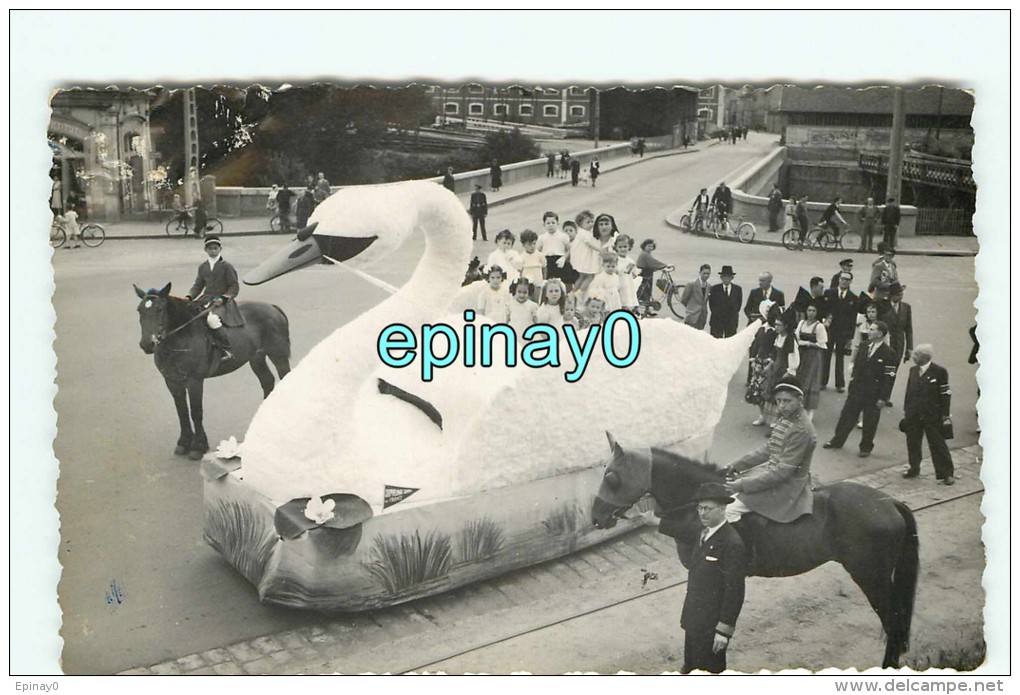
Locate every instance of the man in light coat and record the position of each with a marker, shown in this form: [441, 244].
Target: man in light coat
[695, 298]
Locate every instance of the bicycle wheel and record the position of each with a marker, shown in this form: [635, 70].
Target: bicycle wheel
[699, 225]
[57, 236]
[685, 224]
[791, 239]
[175, 225]
[93, 235]
[745, 232]
[673, 300]
[213, 226]
[851, 241]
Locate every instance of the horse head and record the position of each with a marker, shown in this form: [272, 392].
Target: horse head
[152, 314]
[627, 478]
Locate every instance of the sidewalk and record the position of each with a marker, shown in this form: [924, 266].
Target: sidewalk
[253, 226]
[408, 636]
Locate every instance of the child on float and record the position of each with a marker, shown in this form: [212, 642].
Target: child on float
[552, 308]
[584, 252]
[647, 264]
[568, 274]
[570, 311]
[494, 300]
[553, 243]
[594, 312]
[504, 256]
[627, 269]
[522, 311]
[532, 262]
[607, 283]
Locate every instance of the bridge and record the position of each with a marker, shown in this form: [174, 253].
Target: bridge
[941, 172]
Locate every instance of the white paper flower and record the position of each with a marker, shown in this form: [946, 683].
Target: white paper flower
[319, 510]
[228, 449]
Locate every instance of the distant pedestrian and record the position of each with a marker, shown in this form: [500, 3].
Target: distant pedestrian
[842, 306]
[641, 147]
[593, 170]
[283, 200]
[322, 189]
[897, 315]
[56, 196]
[478, 208]
[800, 214]
[775, 207]
[448, 182]
[883, 272]
[869, 218]
[564, 164]
[550, 165]
[575, 171]
[745, 133]
[926, 414]
[271, 205]
[722, 199]
[305, 207]
[890, 222]
[71, 227]
[495, 175]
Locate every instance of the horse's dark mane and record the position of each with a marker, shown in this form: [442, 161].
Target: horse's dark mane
[179, 310]
[675, 477]
[710, 470]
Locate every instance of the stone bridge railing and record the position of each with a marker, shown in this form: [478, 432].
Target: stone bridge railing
[944, 173]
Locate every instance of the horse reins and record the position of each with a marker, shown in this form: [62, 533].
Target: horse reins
[183, 325]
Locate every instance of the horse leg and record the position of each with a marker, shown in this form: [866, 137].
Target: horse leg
[872, 565]
[199, 443]
[282, 364]
[179, 393]
[261, 369]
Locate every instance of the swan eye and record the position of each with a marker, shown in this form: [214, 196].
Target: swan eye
[613, 480]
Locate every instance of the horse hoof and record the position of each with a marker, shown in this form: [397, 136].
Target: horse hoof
[180, 450]
[195, 455]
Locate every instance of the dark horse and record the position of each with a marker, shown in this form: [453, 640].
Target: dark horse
[175, 330]
[871, 534]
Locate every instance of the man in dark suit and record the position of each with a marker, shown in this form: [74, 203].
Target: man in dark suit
[926, 414]
[890, 222]
[479, 208]
[216, 286]
[724, 301]
[871, 385]
[722, 199]
[716, 569]
[842, 306]
[897, 315]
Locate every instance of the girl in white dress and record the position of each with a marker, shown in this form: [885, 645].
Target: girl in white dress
[522, 312]
[494, 300]
[504, 256]
[551, 309]
[584, 253]
[607, 283]
[627, 269]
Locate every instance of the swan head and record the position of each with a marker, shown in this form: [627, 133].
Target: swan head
[357, 226]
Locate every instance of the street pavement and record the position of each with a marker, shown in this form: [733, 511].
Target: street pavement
[131, 511]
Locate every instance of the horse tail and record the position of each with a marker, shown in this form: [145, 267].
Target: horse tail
[285, 351]
[904, 585]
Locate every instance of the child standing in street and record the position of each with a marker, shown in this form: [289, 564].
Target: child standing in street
[72, 228]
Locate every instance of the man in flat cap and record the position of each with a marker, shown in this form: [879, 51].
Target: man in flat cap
[716, 571]
[926, 414]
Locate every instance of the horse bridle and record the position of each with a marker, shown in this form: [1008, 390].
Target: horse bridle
[164, 335]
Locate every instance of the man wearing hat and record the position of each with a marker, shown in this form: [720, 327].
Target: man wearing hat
[216, 286]
[845, 266]
[774, 480]
[716, 570]
[890, 222]
[898, 316]
[871, 384]
[724, 301]
[479, 208]
[842, 305]
[926, 414]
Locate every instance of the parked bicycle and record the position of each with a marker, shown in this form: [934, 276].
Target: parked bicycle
[274, 222]
[672, 291]
[91, 234]
[821, 238]
[735, 225]
[184, 223]
[698, 221]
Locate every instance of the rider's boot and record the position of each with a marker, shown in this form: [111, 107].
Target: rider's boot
[222, 342]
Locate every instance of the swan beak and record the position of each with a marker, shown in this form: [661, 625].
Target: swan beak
[301, 252]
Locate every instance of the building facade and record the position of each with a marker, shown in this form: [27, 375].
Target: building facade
[540, 105]
[102, 152]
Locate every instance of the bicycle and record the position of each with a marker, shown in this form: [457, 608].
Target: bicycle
[822, 238]
[184, 222]
[671, 290]
[695, 226]
[274, 223]
[735, 226]
[90, 233]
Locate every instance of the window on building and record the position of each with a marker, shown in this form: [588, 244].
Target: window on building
[550, 110]
[577, 111]
[576, 91]
[476, 108]
[451, 107]
[476, 89]
[526, 110]
[500, 110]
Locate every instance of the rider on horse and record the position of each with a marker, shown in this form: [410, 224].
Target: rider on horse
[216, 287]
[775, 479]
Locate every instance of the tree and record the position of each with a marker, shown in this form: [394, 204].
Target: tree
[512, 146]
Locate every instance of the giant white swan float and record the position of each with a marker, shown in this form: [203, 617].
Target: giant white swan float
[361, 485]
